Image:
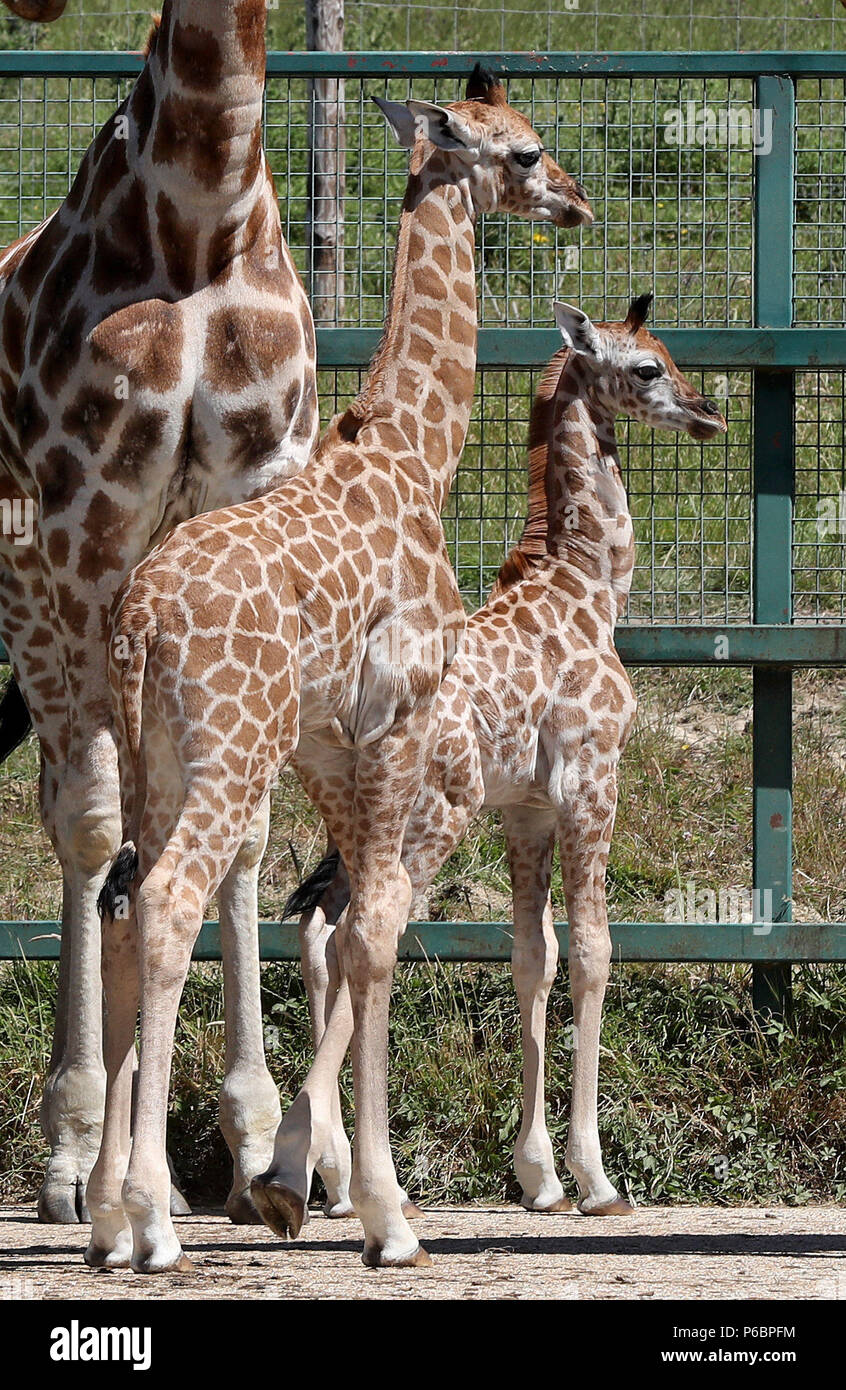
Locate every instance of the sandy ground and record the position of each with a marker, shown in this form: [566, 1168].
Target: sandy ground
[478, 1253]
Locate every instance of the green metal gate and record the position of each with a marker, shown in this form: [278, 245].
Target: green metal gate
[741, 557]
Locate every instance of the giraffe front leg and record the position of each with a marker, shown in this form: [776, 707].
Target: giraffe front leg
[583, 863]
[85, 820]
[249, 1098]
[534, 961]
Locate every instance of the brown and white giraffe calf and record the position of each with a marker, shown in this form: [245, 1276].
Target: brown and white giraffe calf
[157, 359]
[313, 625]
[532, 718]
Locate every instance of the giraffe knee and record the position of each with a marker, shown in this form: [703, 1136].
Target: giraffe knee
[370, 945]
[86, 822]
[250, 852]
[534, 963]
[589, 961]
[169, 918]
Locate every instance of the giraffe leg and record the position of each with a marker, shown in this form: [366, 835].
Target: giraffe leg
[169, 920]
[389, 774]
[307, 1130]
[584, 858]
[249, 1099]
[452, 793]
[534, 961]
[110, 1246]
[311, 1135]
[322, 976]
[86, 819]
[169, 909]
[79, 809]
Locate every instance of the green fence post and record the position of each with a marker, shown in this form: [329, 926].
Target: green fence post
[773, 484]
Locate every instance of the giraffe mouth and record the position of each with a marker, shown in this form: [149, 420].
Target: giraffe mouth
[707, 421]
[575, 215]
[702, 428]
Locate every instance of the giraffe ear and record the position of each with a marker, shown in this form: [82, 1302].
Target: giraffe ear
[400, 120]
[445, 128]
[410, 119]
[577, 330]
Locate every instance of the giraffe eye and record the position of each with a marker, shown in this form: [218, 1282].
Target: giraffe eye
[527, 159]
[648, 372]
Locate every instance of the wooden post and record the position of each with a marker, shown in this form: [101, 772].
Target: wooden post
[325, 33]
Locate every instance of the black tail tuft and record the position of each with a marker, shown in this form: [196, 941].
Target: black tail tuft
[114, 893]
[311, 890]
[15, 722]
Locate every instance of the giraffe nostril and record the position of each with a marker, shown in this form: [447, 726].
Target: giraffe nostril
[709, 407]
[580, 191]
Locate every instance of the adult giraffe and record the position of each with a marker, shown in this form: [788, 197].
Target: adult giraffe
[156, 360]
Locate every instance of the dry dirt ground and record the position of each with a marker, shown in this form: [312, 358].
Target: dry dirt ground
[478, 1253]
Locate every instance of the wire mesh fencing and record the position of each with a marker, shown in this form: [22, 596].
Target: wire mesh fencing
[674, 214]
[562, 25]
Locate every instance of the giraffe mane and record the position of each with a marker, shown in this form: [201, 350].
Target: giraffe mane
[345, 427]
[530, 550]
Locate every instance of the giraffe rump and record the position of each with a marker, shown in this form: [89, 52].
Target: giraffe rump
[307, 896]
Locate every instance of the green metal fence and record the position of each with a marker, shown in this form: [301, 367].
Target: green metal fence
[741, 546]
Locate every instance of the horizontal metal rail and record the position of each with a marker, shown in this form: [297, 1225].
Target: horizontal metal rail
[364, 64]
[737, 942]
[777, 349]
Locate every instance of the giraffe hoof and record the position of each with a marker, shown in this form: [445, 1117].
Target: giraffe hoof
[374, 1259]
[62, 1203]
[412, 1212]
[180, 1265]
[280, 1207]
[178, 1204]
[340, 1211]
[241, 1209]
[105, 1260]
[618, 1207]
[562, 1204]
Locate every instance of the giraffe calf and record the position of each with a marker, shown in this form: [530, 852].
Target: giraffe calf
[532, 719]
[311, 625]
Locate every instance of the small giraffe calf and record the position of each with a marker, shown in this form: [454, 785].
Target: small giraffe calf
[533, 716]
[314, 625]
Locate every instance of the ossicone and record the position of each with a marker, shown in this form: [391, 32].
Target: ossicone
[638, 312]
[483, 86]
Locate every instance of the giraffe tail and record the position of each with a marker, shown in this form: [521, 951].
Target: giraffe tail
[114, 895]
[15, 722]
[311, 890]
[127, 681]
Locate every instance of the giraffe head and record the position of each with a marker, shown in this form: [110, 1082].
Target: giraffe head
[38, 11]
[488, 147]
[631, 372]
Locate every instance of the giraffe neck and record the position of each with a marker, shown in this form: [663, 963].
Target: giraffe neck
[422, 379]
[578, 511]
[198, 105]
